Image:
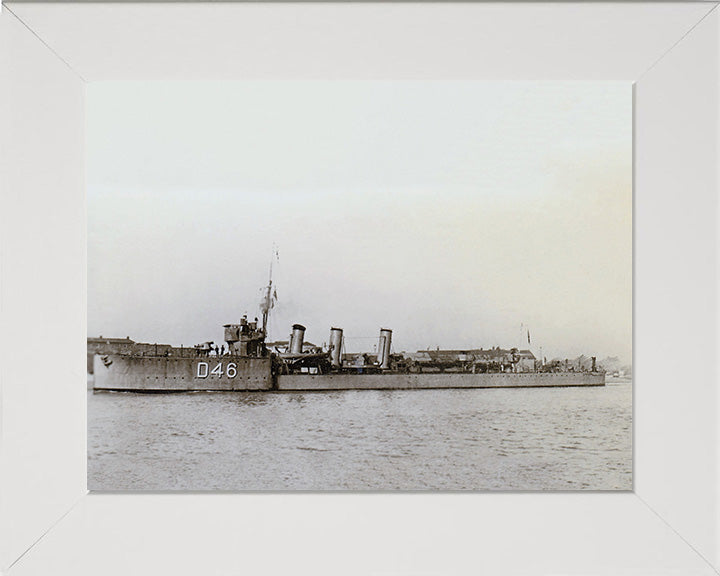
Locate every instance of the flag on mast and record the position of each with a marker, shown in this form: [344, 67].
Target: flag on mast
[528, 337]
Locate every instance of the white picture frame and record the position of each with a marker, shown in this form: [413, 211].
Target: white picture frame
[669, 524]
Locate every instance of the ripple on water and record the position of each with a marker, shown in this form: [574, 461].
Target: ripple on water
[501, 439]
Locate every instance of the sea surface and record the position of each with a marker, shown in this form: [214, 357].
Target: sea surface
[478, 439]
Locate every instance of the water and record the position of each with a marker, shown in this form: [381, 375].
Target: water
[491, 439]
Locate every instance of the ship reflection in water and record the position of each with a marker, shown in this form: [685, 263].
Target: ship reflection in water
[476, 439]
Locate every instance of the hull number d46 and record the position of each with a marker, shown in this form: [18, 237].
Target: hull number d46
[203, 370]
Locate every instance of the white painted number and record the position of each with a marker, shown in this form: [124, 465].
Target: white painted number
[203, 370]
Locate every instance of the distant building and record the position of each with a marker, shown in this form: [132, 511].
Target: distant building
[145, 349]
[102, 345]
[107, 346]
[527, 361]
[497, 358]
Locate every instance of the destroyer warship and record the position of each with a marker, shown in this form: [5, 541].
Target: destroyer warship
[247, 362]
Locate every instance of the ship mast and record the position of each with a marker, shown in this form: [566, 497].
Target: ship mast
[268, 303]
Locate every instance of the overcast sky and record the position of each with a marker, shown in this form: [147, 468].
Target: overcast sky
[450, 212]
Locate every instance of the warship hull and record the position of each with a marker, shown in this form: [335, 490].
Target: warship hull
[309, 382]
[166, 374]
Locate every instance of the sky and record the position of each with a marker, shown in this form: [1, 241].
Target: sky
[458, 214]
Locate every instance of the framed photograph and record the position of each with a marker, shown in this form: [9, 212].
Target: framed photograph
[402, 126]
